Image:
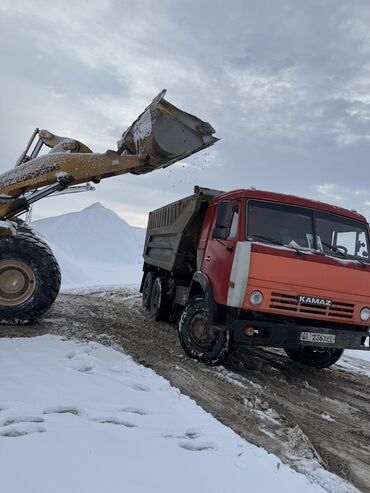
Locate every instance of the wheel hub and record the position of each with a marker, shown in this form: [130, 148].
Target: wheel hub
[201, 332]
[17, 282]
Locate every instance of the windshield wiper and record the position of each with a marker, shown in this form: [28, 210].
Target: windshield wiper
[276, 242]
[343, 254]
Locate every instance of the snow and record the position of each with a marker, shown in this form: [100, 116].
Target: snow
[356, 361]
[94, 247]
[365, 355]
[80, 273]
[80, 417]
[143, 126]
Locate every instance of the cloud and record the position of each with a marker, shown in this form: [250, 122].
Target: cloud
[286, 84]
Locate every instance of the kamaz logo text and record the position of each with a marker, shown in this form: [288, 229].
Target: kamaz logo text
[314, 301]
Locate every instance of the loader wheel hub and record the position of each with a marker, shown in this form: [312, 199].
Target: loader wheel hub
[17, 282]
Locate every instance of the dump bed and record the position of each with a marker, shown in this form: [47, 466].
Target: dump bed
[173, 232]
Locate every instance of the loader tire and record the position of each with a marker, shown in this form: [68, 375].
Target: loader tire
[147, 290]
[314, 356]
[199, 339]
[25, 228]
[159, 303]
[29, 278]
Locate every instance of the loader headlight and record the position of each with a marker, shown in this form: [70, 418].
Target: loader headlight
[256, 298]
[365, 314]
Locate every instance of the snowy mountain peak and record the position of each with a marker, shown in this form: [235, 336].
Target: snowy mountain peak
[98, 210]
[95, 205]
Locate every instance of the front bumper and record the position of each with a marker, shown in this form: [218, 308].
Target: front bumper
[289, 335]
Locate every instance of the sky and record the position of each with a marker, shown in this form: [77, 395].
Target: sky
[286, 85]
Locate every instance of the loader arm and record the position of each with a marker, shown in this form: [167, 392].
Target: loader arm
[162, 135]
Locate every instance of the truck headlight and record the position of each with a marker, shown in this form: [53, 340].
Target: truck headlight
[365, 314]
[256, 298]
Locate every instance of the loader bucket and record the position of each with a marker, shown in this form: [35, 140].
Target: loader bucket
[164, 134]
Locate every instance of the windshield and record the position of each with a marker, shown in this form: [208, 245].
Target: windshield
[295, 227]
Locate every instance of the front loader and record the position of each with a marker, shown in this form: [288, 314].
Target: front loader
[29, 273]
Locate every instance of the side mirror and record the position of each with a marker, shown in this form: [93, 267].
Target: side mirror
[223, 220]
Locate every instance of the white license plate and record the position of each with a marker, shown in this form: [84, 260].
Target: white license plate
[314, 337]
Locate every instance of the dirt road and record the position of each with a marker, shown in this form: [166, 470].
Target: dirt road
[305, 416]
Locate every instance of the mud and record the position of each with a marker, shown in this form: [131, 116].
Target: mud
[311, 419]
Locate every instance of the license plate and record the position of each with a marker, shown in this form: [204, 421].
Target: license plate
[314, 337]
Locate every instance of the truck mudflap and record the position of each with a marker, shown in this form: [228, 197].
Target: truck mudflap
[260, 333]
[164, 134]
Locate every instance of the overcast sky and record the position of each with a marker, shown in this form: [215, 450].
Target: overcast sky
[285, 83]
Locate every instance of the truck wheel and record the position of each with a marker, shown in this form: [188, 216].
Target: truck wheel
[29, 278]
[147, 290]
[316, 357]
[159, 304]
[198, 338]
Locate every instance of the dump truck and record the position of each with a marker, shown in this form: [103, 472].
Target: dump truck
[261, 269]
[29, 273]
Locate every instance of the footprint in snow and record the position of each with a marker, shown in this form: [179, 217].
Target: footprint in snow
[139, 386]
[82, 364]
[191, 442]
[63, 410]
[22, 429]
[84, 367]
[70, 355]
[198, 447]
[115, 421]
[190, 434]
[22, 419]
[134, 410]
[80, 360]
[86, 351]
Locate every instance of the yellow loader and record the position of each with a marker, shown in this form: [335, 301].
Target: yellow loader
[29, 273]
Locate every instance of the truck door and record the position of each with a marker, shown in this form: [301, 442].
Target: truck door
[219, 252]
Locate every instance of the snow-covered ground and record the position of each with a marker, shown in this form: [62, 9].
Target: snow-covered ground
[356, 361]
[365, 355]
[80, 417]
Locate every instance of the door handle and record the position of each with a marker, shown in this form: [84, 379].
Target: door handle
[208, 258]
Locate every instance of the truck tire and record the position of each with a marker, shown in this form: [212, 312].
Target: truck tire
[147, 290]
[159, 303]
[314, 356]
[29, 278]
[199, 339]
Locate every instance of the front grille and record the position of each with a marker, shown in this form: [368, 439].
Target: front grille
[290, 304]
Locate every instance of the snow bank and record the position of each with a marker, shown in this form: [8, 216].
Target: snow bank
[80, 417]
[95, 233]
[94, 247]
